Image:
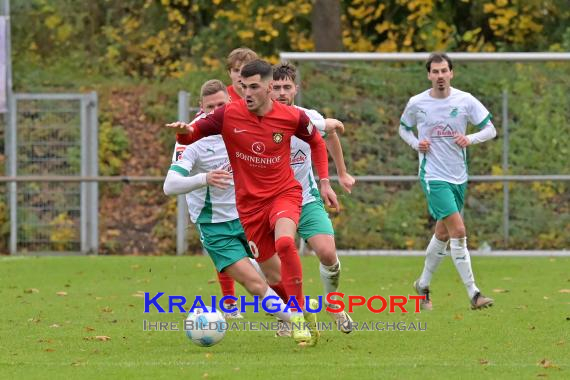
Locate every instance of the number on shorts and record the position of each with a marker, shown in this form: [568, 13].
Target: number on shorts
[253, 248]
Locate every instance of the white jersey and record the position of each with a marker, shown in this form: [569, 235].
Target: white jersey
[208, 204]
[439, 120]
[301, 159]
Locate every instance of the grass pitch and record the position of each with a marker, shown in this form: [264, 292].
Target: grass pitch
[82, 318]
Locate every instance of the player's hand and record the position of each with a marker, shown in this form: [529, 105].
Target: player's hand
[181, 127]
[461, 140]
[333, 125]
[346, 182]
[328, 195]
[423, 146]
[219, 178]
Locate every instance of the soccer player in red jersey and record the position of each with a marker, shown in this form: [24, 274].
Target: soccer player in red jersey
[257, 133]
[235, 61]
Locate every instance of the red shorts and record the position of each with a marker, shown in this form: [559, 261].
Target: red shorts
[260, 227]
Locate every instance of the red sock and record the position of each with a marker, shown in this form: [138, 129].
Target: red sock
[228, 286]
[280, 290]
[291, 270]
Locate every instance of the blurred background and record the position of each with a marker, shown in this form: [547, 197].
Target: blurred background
[93, 83]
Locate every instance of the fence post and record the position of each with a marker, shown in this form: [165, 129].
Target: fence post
[12, 150]
[181, 206]
[93, 170]
[83, 171]
[505, 167]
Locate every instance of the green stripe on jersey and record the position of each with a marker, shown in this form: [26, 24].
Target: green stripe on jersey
[485, 121]
[206, 213]
[405, 125]
[180, 170]
[423, 168]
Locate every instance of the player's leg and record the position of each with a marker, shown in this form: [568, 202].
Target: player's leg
[435, 253]
[316, 228]
[459, 252]
[261, 241]
[227, 286]
[245, 273]
[213, 236]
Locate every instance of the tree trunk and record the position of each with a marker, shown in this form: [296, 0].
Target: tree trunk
[327, 31]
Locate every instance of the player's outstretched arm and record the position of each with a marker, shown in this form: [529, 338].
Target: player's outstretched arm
[333, 126]
[176, 183]
[335, 149]
[202, 126]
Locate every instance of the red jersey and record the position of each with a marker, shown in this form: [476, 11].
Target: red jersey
[259, 149]
[234, 96]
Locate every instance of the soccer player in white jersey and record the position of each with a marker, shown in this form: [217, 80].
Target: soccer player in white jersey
[203, 173]
[315, 226]
[440, 115]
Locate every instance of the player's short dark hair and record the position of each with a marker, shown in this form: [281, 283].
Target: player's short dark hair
[255, 67]
[284, 71]
[240, 56]
[437, 58]
[211, 87]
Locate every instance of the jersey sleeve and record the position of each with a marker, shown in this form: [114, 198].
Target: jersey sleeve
[204, 125]
[478, 114]
[187, 161]
[307, 132]
[317, 119]
[408, 119]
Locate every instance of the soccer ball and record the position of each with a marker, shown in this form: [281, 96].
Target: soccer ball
[205, 328]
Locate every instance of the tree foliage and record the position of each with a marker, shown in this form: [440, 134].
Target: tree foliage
[161, 38]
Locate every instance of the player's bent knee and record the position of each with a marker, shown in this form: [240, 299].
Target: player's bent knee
[285, 244]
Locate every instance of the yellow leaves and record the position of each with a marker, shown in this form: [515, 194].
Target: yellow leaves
[62, 232]
[52, 21]
[245, 34]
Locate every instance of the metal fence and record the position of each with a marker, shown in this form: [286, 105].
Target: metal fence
[49, 135]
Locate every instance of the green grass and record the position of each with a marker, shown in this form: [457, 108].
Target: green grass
[49, 336]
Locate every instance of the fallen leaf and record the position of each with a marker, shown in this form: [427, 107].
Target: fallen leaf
[138, 295]
[103, 338]
[545, 363]
[55, 325]
[458, 317]
[49, 350]
[564, 291]
[45, 340]
[209, 355]
[89, 328]
[106, 309]
[498, 290]
[483, 361]
[62, 294]
[31, 290]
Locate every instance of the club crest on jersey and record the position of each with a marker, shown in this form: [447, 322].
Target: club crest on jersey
[258, 147]
[277, 137]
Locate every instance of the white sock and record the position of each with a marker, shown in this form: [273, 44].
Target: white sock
[330, 276]
[462, 261]
[277, 303]
[435, 253]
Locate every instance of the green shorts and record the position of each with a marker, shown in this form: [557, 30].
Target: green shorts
[225, 242]
[444, 198]
[314, 221]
